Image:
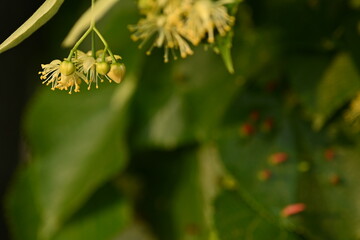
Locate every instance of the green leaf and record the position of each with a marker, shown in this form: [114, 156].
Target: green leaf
[77, 143]
[181, 202]
[354, 4]
[305, 74]
[104, 216]
[46, 11]
[327, 87]
[23, 215]
[254, 205]
[236, 220]
[339, 84]
[74, 152]
[189, 222]
[101, 7]
[328, 188]
[224, 45]
[166, 118]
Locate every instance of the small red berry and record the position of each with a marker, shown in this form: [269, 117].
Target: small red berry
[264, 175]
[247, 130]
[329, 154]
[293, 209]
[278, 158]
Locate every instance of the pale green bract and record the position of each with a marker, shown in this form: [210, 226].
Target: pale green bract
[46, 11]
[100, 8]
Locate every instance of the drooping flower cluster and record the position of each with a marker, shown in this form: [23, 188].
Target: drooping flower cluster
[82, 67]
[174, 24]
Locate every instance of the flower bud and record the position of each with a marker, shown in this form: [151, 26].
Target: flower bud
[329, 154]
[293, 209]
[102, 68]
[264, 175]
[278, 158]
[247, 130]
[117, 72]
[67, 68]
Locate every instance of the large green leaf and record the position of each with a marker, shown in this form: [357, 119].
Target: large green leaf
[77, 143]
[236, 220]
[309, 176]
[104, 216]
[324, 87]
[189, 222]
[177, 113]
[75, 148]
[23, 215]
[182, 203]
[46, 11]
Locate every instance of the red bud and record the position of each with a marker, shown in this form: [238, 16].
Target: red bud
[278, 158]
[293, 209]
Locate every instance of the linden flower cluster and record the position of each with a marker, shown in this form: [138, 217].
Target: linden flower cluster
[82, 67]
[174, 24]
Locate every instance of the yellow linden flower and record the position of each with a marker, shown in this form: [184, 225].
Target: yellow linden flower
[69, 82]
[94, 69]
[203, 17]
[87, 65]
[165, 27]
[51, 73]
[172, 22]
[61, 75]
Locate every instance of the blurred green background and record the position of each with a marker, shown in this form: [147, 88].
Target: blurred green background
[186, 150]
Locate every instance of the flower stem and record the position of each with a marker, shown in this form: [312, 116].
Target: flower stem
[103, 56]
[93, 44]
[105, 43]
[92, 24]
[91, 28]
[77, 44]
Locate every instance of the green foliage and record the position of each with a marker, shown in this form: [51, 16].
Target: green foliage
[339, 92]
[46, 11]
[186, 149]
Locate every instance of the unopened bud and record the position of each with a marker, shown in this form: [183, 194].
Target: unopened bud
[117, 72]
[102, 68]
[264, 175]
[67, 68]
[247, 130]
[329, 154]
[278, 158]
[293, 209]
